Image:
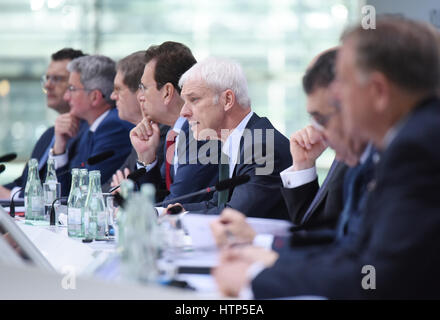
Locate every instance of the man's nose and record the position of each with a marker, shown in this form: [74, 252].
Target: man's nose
[185, 111]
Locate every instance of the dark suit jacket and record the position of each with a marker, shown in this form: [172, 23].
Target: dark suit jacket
[327, 207]
[111, 134]
[39, 150]
[261, 196]
[399, 233]
[191, 174]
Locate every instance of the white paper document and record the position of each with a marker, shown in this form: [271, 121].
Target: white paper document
[198, 227]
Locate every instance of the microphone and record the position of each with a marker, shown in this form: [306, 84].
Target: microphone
[100, 157]
[93, 160]
[2, 168]
[220, 186]
[8, 157]
[134, 176]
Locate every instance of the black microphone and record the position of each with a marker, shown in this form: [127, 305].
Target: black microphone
[93, 160]
[134, 176]
[100, 157]
[220, 186]
[2, 168]
[8, 157]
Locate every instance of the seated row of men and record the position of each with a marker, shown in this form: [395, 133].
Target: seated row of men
[373, 101]
[171, 115]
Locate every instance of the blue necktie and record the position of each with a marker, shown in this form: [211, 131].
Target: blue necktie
[43, 159]
[88, 149]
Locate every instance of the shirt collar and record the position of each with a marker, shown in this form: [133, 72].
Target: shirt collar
[179, 124]
[232, 144]
[366, 153]
[98, 121]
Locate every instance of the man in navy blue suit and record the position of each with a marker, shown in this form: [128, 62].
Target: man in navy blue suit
[88, 94]
[55, 83]
[126, 86]
[386, 98]
[217, 105]
[160, 100]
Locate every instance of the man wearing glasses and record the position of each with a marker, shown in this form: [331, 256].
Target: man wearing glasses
[88, 93]
[54, 83]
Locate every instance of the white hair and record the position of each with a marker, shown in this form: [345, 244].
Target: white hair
[220, 74]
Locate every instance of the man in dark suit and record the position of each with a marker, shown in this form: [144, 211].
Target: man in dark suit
[88, 94]
[389, 101]
[217, 106]
[55, 83]
[159, 96]
[126, 85]
[314, 210]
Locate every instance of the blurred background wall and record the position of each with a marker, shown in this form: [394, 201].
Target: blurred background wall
[274, 40]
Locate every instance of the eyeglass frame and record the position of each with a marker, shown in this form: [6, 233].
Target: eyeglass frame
[55, 79]
[72, 88]
[322, 123]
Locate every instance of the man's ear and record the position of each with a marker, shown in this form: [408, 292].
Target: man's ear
[228, 99]
[96, 97]
[167, 92]
[380, 90]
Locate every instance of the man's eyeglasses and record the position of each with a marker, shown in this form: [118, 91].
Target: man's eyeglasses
[73, 88]
[54, 79]
[320, 121]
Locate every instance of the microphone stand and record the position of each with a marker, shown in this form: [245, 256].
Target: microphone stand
[52, 211]
[196, 193]
[12, 204]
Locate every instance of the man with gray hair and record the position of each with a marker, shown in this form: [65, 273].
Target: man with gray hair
[88, 94]
[217, 105]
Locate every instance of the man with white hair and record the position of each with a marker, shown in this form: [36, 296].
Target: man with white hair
[88, 94]
[217, 106]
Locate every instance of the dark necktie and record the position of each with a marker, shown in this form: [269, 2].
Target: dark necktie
[356, 180]
[169, 156]
[88, 149]
[223, 174]
[320, 192]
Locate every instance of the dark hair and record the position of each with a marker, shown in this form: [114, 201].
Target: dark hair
[172, 60]
[67, 53]
[321, 73]
[405, 51]
[132, 67]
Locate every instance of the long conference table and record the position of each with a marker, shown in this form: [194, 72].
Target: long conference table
[92, 270]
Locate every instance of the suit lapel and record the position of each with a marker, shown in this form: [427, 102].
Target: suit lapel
[322, 192]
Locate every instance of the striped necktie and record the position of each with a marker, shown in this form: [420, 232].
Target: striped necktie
[169, 156]
[223, 174]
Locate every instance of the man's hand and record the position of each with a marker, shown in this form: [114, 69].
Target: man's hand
[5, 193]
[145, 138]
[231, 277]
[231, 226]
[118, 177]
[306, 145]
[250, 254]
[66, 127]
[232, 273]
